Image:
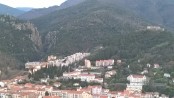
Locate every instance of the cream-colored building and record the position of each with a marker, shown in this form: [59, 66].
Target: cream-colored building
[88, 63]
[136, 82]
[75, 94]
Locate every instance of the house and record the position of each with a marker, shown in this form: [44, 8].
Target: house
[44, 80]
[155, 28]
[56, 93]
[41, 92]
[96, 89]
[5, 95]
[136, 82]
[148, 65]
[51, 58]
[19, 79]
[57, 84]
[51, 97]
[110, 67]
[107, 75]
[137, 78]
[97, 80]
[145, 71]
[167, 75]
[156, 66]
[29, 85]
[87, 63]
[86, 77]
[75, 94]
[112, 72]
[71, 74]
[31, 65]
[76, 84]
[119, 61]
[102, 63]
[2, 84]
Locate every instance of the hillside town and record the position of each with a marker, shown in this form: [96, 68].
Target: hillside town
[86, 48]
[90, 72]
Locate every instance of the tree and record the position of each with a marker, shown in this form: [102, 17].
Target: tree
[46, 93]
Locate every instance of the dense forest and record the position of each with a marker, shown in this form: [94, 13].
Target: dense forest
[16, 47]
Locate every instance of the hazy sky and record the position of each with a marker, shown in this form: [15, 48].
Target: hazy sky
[31, 3]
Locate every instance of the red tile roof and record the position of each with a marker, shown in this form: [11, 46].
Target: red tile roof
[51, 97]
[103, 96]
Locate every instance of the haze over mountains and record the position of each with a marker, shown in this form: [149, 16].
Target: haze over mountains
[35, 13]
[106, 28]
[4, 9]
[26, 9]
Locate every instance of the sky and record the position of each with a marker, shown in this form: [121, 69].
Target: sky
[31, 3]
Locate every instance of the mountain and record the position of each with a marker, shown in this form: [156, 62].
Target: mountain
[35, 13]
[26, 9]
[70, 3]
[91, 23]
[155, 11]
[105, 29]
[19, 42]
[9, 10]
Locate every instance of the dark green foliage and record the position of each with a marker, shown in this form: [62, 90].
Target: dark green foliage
[15, 42]
[69, 83]
[46, 93]
[118, 87]
[95, 23]
[155, 11]
[85, 26]
[161, 89]
[16, 47]
[51, 71]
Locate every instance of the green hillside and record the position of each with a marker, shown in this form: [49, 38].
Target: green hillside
[155, 11]
[35, 13]
[84, 26]
[118, 32]
[107, 29]
[15, 45]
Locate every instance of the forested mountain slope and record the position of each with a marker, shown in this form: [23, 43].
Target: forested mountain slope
[85, 26]
[155, 11]
[35, 13]
[102, 25]
[19, 42]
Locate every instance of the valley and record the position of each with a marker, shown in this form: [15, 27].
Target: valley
[126, 40]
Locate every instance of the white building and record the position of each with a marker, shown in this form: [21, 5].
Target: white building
[35, 66]
[86, 77]
[167, 75]
[66, 61]
[96, 89]
[155, 28]
[52, 58]
[119, 61]
[156, 66]
[71, 74]
[136, 82]
[2, 84]
[88, 63]
[101, 63]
